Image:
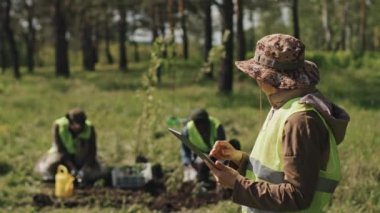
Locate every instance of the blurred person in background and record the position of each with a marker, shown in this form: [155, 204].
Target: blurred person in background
[74, 145]
[202, 130]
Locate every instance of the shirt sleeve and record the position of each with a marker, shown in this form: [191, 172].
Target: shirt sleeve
[220, 133]
[242, 166]
[305, 142]
[185, 151]
[91, 158]
[57, 142]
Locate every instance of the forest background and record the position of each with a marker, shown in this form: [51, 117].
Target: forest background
[136, 65]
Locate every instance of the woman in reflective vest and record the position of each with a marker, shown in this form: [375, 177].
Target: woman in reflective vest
[294, 164]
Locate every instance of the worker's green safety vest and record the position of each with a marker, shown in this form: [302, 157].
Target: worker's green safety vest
[66, 137]
[196, 138]
[267, 164]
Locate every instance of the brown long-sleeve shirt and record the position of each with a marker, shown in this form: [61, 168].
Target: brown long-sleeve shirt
[305, 146]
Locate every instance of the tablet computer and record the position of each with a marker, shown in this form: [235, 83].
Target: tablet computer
[191, 146]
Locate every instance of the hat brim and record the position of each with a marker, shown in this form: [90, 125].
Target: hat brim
[305, 76]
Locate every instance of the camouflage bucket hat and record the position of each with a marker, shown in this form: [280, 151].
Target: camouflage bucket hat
[280, 61]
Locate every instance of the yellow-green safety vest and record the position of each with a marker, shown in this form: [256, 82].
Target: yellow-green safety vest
[67, 139]
[266, 161]
[196, 138]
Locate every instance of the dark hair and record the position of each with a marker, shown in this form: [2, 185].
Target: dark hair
[199, 115]
[77, 115]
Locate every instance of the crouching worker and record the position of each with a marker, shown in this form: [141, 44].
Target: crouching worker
[202, 130]
[74, 145]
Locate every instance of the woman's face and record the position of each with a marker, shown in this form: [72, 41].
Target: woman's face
[75, 127]
[266, 88]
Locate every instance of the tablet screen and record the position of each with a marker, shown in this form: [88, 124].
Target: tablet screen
[191, 146]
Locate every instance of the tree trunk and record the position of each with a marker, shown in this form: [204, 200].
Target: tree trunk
[61, 43]
[122, 39]
[154, 21]
[88, 47]
[107, 37]
[344, 27]
[31, 37]
[170, 16]
[95, 41]
[135, 44]
[3, 55]
[326, 4]
[185, 40]
[208, 35]
[208, 28]
[251, 43]
[226, 76]
[136, 51]
[161, 21]
[171, 21]
[363, 25]
[9, 34]
[159, 16]
[240, 30]
[296, 27]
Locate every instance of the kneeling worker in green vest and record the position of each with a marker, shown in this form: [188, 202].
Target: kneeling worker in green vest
[294, 164]
[74, 145]
[202, 130]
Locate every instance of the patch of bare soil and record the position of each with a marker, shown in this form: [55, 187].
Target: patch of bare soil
[153, 195]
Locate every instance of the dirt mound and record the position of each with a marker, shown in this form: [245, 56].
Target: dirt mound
[189, 196]
[153, 195]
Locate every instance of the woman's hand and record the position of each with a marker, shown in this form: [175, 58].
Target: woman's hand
[223, 150]
[224, 175]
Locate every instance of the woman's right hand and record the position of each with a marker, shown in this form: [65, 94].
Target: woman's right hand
[223, 150]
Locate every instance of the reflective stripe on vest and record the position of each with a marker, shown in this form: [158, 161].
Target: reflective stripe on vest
[196, 138]
[67, 138]
[264, 173]
[266, 159]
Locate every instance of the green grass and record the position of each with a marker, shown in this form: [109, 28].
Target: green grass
[114, 102]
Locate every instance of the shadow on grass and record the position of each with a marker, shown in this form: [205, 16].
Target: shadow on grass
[5, 168]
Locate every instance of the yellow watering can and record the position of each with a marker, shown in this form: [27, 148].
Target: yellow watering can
[64, 186]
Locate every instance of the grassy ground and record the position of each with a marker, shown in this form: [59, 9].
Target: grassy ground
[125, 116]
